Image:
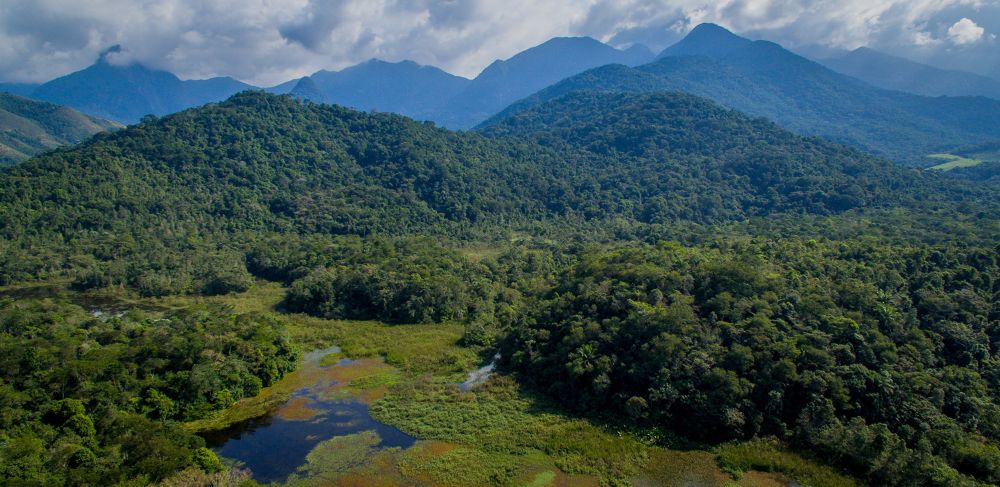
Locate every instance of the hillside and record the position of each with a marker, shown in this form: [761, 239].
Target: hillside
[895, 73]
[506, 81]
[763, 79]
[127, 93]
[28, 127]
[262, 162]
[272, 161]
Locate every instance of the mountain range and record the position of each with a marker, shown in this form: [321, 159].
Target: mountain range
[763, 79]
[265, 162]
[757, 77]
[30, 127]
[505, 82]
[126, 93]
[895, 73]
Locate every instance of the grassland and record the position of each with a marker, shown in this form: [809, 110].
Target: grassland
[952, 161]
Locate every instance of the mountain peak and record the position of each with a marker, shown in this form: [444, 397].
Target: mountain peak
[307, 89]
[706, 40]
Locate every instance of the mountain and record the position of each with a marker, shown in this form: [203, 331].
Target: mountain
[307, 89]
[28, 127]
[20, 89]
[127, 93]
[429, 93]
[283, 88]
[638, 54]
[504, 82]
[763, 79]
[706, 40]
[405, 87]
[895, 73]
[263, 162]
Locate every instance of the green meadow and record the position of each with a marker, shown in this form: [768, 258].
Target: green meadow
[952, 161]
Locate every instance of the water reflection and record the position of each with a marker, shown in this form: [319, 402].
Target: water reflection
[274, 446]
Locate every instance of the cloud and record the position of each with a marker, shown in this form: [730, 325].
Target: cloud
[925, 39]
[268, 41]
[965, 31]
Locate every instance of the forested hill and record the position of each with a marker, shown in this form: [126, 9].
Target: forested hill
[674, 148]
[261, 162]
[28, 127]
[763, 79]
[267, 162]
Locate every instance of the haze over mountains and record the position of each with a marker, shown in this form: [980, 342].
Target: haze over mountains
[895, 73]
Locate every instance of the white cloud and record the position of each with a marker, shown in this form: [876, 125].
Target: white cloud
[925, 39]
[965, 31]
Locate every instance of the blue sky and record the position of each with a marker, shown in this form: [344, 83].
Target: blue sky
[268, 41]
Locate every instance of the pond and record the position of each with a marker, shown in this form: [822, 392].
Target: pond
[274, 446]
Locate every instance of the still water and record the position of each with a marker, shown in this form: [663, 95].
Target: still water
[274, 446]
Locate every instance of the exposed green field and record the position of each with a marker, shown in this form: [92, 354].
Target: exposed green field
[952, 161]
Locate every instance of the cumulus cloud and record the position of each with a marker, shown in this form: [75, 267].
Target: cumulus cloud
[269, 41]
[965, 31]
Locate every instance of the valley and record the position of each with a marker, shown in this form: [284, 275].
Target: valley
[712, 262]
[407, 377]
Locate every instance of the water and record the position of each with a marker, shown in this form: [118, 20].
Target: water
[274, 446]
[480, 375]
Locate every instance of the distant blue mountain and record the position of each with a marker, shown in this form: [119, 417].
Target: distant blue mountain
[706, 40]
[763, 79]
[19, 89]
[127, 93]
[505, 82]
[307, 89]
[402, 87]
[895, 73]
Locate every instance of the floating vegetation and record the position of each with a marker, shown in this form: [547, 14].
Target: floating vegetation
[297, 409]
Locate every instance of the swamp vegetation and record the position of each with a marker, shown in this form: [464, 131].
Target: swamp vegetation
[678, 293]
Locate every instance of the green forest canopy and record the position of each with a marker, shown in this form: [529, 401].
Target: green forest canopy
[840, 303]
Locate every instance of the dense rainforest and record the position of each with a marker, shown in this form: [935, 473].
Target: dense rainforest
[659, 262]
[96, 400]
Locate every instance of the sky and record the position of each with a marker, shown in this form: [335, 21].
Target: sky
[265, 42]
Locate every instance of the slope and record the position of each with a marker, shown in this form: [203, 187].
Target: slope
[504, 82]
[895, 73]
[763, 79]
[127, 93]
[262, 162]
[406, 88]
[28, 127]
